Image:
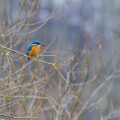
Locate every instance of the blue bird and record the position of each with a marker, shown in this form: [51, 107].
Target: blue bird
[33, 49]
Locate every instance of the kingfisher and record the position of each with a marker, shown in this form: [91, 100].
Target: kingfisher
[33, 49]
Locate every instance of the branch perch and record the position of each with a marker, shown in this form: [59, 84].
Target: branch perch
[34, 59]
[38, 60]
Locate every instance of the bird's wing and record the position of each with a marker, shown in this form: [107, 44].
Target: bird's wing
[28, 49]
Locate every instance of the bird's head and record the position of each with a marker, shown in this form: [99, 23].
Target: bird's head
[37, 43]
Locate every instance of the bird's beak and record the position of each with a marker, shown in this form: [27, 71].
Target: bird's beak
[43, 45]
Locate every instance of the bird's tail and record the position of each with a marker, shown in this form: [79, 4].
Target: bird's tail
[28, 58]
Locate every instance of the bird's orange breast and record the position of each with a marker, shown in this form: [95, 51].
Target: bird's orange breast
[35, 50]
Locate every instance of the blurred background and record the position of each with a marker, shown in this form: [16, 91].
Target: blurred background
[82, 38]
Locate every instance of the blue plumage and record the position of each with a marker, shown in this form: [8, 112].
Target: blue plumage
[28, 49]
[37, 43]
